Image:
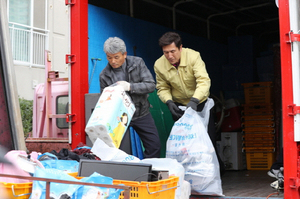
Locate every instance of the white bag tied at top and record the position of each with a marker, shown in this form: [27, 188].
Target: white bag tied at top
[190, 145]
[111, 116]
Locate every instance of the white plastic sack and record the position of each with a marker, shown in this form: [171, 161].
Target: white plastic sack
[185, 190]
[111, 116]
[104, 152]
[190, 145]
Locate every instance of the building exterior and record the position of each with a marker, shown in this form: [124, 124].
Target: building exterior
[36, 26]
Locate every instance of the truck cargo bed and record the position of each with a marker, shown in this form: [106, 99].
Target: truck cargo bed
[245, 185]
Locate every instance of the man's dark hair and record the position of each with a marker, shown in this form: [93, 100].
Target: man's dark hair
[168, 38]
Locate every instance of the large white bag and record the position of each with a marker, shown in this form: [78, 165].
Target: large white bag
[111, 116]
[104, 152]
[190, 145]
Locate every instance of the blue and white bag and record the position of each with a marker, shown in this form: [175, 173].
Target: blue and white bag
[89, 192]
[190, 145]
[66, 191]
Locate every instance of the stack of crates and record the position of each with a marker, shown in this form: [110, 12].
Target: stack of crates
[258, 125]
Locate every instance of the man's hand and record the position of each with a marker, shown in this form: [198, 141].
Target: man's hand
[193, 103]
[176, 112]
[125, 85]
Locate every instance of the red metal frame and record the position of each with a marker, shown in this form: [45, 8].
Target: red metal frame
[79, 69]
[290, 149]
[79, 85]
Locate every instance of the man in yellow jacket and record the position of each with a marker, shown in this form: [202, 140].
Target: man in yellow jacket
[181, 76]
[182, 79]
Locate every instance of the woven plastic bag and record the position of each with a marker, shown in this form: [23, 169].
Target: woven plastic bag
[89, 192]
[68, 191]
[68, 166]
[190, 145]
[57, 190]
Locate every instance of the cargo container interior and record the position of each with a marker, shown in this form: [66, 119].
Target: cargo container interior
[239, 43]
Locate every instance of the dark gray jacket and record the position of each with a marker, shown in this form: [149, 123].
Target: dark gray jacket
[141, 83]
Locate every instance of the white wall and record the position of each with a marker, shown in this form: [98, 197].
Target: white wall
[58, 26]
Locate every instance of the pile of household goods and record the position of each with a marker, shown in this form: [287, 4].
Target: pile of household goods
[67, 165]
[188, 143]
[190, 166]
[51, 165]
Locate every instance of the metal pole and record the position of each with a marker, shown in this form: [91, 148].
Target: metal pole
[79, 69]
[290, 149]
[131, 8]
